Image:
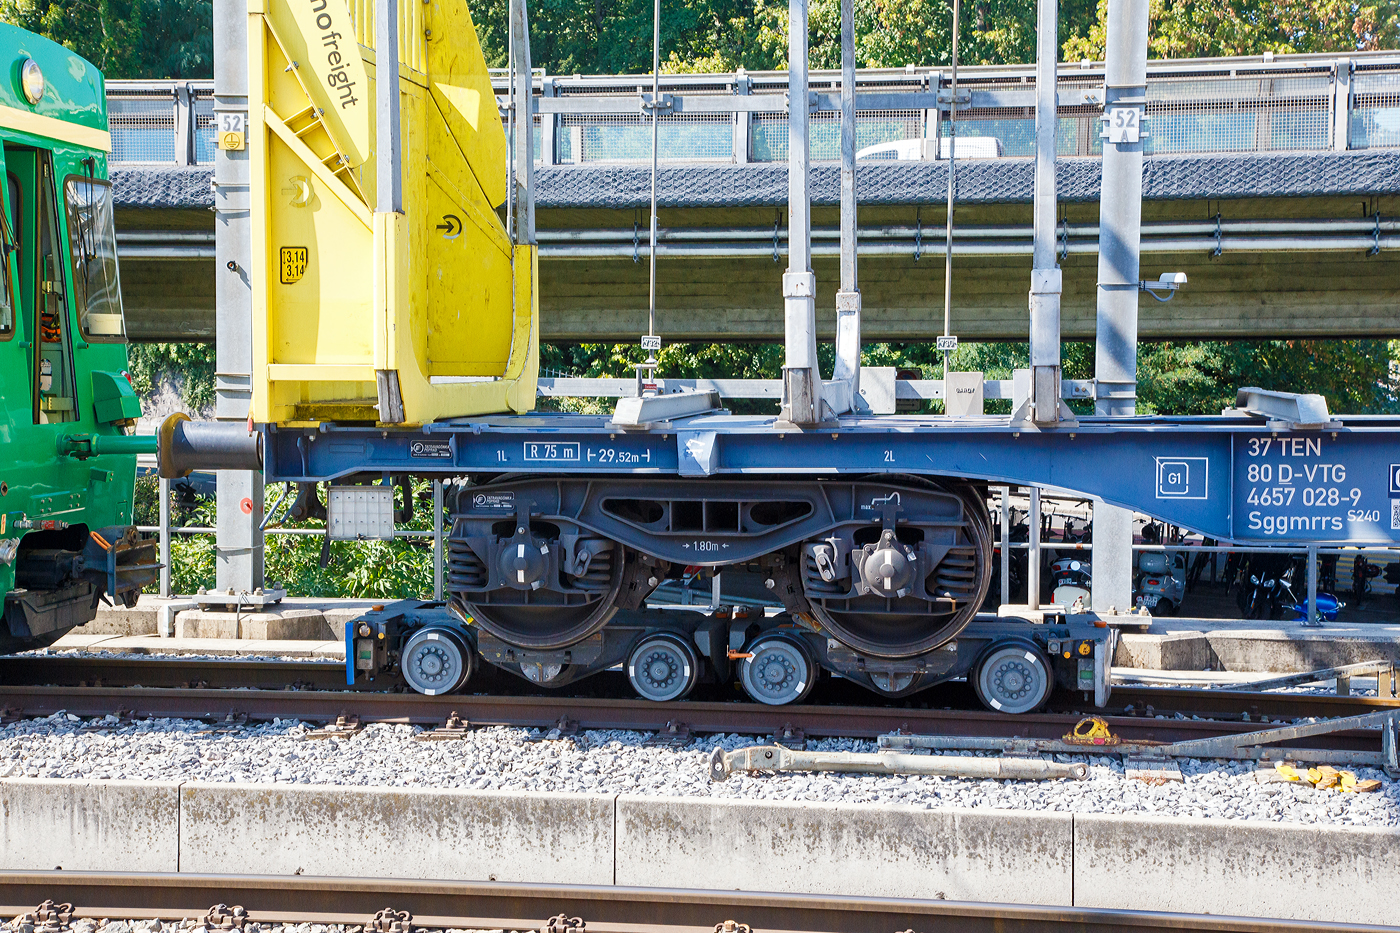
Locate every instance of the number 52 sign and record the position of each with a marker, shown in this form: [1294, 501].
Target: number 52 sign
[233, 129]
[1122, 125]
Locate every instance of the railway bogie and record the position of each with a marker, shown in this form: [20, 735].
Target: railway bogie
[776, 659]
[890, 567]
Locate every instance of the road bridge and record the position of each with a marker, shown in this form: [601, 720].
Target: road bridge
[1272, 183]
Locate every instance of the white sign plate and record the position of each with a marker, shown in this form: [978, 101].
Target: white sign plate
[1122, 125]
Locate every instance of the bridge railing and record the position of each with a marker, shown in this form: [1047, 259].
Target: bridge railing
[1222, 105]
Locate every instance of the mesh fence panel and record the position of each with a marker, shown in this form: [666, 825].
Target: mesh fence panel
[1375, 110]
[768, 133]
[142, 126]
[1242, 114]
[206, 141]
[626, 137]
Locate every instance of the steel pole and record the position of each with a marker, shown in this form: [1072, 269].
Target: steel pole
[1033, 555]
[848, 309]
[655, 145]
[165, 559]
[1005, 498]
[1120, 210]
[437, 539]
[801, 381]
[1045, 273]
[388, 198]
[239, 539]
[524, 124]
[1120, 236]
[1313, 617]
[952, 188]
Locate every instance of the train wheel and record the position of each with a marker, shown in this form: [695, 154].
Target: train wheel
[1013, 678]
[780, 671]
[663, 667]
[437, 660]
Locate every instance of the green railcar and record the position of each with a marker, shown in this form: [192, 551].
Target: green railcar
[66, 538]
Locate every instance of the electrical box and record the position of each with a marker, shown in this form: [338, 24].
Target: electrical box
[964, 394]
[355, 513]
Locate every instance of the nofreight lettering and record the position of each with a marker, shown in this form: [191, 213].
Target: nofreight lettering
[338, 79]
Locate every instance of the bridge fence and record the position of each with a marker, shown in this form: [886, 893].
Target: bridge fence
[1225, 105]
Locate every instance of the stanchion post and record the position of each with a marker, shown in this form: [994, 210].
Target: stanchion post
[1033, 555]
[437, 539]
[1005, 545]
[165, 558]
[1313, 618]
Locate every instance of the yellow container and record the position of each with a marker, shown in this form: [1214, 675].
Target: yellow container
[393, 318]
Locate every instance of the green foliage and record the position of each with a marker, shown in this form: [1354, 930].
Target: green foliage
[1206, 28]
[1355, 376]
[189, 365]
[388, 570]
[126, 38]
[614, 36]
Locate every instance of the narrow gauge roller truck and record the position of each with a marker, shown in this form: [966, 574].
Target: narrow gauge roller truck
[67, 468]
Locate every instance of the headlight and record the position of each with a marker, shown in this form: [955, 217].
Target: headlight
[31, 79]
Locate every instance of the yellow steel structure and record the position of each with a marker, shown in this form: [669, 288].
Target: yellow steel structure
[400, 318]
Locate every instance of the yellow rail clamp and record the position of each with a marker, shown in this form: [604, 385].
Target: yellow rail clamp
[1091, 730]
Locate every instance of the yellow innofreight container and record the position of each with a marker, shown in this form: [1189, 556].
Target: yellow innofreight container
[399, 318]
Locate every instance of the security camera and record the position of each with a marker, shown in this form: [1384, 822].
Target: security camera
[1167, 283]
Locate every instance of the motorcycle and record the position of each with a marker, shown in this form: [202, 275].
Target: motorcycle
[1266, 591]
[1362, 573]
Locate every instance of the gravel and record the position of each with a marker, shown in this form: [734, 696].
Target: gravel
[174, 653]
[190, 925]
[614, 761]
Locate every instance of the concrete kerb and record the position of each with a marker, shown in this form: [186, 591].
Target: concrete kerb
[1286, 871]
[89, 825]
[1252, 869]
[818, 848]
[397, 833]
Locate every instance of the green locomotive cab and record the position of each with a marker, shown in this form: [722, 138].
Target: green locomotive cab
[66, 538]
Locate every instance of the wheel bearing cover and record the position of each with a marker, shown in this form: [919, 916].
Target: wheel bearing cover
[662, 668]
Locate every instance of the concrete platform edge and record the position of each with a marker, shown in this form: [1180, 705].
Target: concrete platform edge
[1277, 870]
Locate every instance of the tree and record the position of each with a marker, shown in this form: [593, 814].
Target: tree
[614, 36]
[126, 38]
[1207, 28]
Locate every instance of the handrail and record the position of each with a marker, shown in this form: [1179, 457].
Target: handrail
[1270, 103]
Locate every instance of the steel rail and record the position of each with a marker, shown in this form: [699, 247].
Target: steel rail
[544, 712]
[604, 909]
[301, 675]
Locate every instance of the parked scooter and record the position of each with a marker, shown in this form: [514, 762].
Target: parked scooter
[1072, 579]
[1160, 581]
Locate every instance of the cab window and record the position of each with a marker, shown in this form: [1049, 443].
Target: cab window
[93, 238]
[8, 246]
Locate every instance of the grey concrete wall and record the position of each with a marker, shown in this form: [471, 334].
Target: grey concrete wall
[1226, 867]
[811, 848]
[1286, 871]
[89, 825]
[398, 833]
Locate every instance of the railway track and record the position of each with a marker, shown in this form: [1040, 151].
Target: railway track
[571, 909]
[314, 692]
